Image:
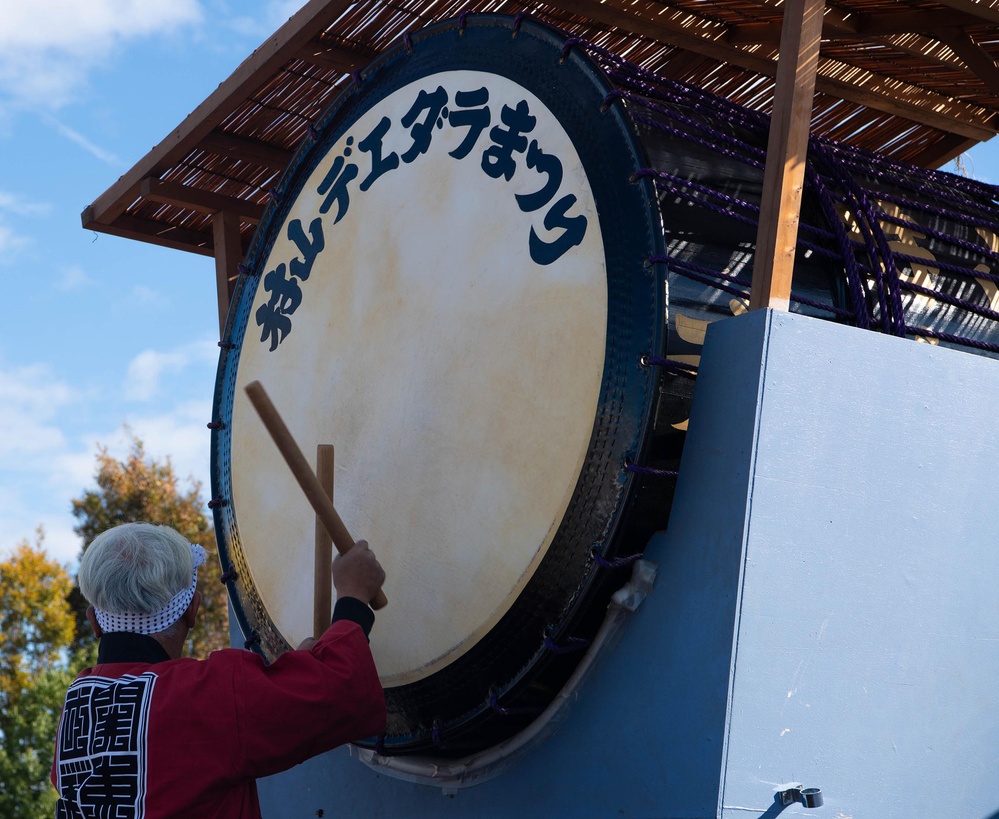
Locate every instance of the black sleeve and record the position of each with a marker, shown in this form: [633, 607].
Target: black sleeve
[350, 608]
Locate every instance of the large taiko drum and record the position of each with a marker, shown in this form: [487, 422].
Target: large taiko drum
[461, 284]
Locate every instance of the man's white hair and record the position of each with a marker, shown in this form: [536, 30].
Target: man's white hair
[135, 568]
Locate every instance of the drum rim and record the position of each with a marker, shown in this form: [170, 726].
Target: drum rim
[249, 610]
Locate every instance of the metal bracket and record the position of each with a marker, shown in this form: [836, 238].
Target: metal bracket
[809, 797]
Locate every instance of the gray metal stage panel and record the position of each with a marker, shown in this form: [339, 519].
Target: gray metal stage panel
[825, 610]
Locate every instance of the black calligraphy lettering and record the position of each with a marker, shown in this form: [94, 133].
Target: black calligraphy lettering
[335, 183]
[309, 250]
[573, 229]
[497, 159]
[466, 115]
[547, 164]
[372, 144]
[422, 132]
[272, 317]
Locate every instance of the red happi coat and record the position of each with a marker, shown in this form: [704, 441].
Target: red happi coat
[152, 737]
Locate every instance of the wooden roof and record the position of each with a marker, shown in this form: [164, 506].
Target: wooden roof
[915, 80]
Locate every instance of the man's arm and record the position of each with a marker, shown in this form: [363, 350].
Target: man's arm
[309, 701]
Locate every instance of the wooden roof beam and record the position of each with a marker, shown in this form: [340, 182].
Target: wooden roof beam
[285, 44]
[253, 151]
[787, 148]
[976, 58]
[942, 152]
[199, 199]
[332, 59]
[981, 10]
[157, 233]
[921, 106]
[856, 26]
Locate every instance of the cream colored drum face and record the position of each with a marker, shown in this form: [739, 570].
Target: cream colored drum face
[456, 377]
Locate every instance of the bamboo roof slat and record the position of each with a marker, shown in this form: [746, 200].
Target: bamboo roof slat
[913, 79]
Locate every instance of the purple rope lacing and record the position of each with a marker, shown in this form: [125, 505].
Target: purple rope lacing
[869, 262]
[718, 280]
[670, 365]
[616, 562]
[494, 705]
[650, 470]
[952, 339]
[954, 301]
[571, 643]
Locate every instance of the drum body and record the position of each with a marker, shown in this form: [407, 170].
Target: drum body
[453, 290]
[462, 285]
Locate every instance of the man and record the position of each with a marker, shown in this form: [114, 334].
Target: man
[148, 734]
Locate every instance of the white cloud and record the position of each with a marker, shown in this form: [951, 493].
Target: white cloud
[73, 278]
[47, 47]
[47, 459]
[12, 241]
[11, 203]
[30, 398]
[79, 139]
[145, 371]
[182, 435]
[145, 295]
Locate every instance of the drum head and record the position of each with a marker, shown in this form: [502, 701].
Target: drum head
[451, 288]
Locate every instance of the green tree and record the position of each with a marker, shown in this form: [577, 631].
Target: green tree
[36, 629]
[141, 489]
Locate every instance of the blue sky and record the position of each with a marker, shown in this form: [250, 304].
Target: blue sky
[102, 332]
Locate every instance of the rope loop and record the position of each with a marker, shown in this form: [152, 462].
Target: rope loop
[227, 345]
[252, 640]
[355, 77]
[567, 47]
[214, 503]
[407, 41]
[243, 269]
[571, 644]
[669, 364]
[435, 734]
[461, 21]
[630, 466]
[215, 425]
[613, 563]
[313, 134]
[227, 576]
[273, 194]
[612, 95]
[493, 701]
[518, 18]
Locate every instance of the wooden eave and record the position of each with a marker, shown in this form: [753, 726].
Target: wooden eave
[918, 81]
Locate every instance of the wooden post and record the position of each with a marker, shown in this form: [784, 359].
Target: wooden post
[783, 177]
[228, 255]
[323, 583]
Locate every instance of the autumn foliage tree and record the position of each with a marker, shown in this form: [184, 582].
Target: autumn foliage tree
[45, 638]
[36, 627]
[139, 488]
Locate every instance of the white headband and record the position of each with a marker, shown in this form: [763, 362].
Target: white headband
[158, 620]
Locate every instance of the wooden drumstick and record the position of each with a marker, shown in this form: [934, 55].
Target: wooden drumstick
[322, 591]
[303, 473]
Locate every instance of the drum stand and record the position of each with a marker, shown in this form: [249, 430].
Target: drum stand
[824, 617]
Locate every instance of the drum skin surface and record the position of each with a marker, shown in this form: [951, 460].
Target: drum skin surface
[451, 287]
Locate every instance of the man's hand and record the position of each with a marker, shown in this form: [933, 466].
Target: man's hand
[358, 574]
